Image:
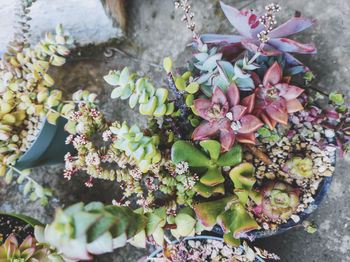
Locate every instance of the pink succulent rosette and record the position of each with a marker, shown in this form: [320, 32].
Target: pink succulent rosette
[275, 99]
[225, 115]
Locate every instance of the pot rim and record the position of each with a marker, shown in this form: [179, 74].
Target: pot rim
[153, 254]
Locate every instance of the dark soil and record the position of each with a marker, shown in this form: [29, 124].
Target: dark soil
[12, 225]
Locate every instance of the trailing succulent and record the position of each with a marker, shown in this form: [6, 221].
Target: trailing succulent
[80, 231]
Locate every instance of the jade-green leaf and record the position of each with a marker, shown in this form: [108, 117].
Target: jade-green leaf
[183, 151]
[213, 148]
[231, 158]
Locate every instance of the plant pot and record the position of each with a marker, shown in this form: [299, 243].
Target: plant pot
[49, 147]
[19, 225]
[156, 252]
[318, 198]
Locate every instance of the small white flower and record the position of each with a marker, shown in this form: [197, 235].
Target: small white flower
[106, 135]
[181, 168]
[92, 159]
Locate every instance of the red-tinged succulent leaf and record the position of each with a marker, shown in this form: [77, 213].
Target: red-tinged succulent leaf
[212, 177]
[246, 22]
[224, 220]
[292, 26]
[229, 239]
[231, 51]
[207, 212]
[227, 139]
[242, 175]
[293, 61]
[219, 97]
[238, 111]
[242, 222]
[267, 121]
[183, 151]
[293, 106]
[205, 130]
[331, 113]
[207, 191]
[289, 92]
[27, 253]
[27, 243]
[277, 111]
[249, 124]
[246, 138]
[202, 106]
[290, 46]
[249, 102]
[273, 75]
[232, 94]
[224, 124]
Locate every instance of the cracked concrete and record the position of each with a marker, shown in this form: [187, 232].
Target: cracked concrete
[155, 31]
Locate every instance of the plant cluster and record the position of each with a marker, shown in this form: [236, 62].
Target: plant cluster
[186, 169]
[224, 101]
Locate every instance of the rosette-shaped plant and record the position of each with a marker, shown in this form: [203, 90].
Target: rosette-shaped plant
[79, 231]
[249, 25]
[212, 179]
[279, 201]
[225, 115]
[275, 98]
[28, 251]
[299, 168]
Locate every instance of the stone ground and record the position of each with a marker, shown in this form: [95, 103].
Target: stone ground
[154, 31]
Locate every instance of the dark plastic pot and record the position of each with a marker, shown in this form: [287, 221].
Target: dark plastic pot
[155, 253]
[320, 195]
[49, 147]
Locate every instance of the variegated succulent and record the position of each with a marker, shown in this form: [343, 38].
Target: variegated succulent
[28, 251]
[81, 231]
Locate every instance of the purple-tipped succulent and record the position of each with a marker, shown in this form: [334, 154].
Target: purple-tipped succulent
[276, 99]
[226, 115]
[279, 202]
[250, 25]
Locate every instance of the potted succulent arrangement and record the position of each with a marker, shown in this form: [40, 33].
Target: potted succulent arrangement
[245, 149]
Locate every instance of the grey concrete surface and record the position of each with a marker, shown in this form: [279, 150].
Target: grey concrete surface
[155, 31]
[87, 22]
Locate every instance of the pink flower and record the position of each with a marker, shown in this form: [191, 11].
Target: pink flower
[276, 99]
[226, 116]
